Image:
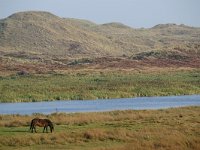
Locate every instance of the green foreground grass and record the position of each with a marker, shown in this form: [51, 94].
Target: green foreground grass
[176, 128]
[97, 85]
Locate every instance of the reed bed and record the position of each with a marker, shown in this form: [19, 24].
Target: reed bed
[97, 85]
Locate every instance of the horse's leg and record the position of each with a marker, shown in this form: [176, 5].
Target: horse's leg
[44, 128]
[31, 125]
[32, 129]
[35, 129]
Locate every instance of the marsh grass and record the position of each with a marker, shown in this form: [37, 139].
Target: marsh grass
[176, 128]
[97, 85]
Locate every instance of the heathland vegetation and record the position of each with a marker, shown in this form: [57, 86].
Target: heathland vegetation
[176, 128]
[37, 37]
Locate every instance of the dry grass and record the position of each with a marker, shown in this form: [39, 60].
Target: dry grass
[146, 129]
[41, 36]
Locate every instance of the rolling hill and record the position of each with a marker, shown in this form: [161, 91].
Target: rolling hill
[35, 37]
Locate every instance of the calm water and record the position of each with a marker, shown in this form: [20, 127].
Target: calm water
[100, 105]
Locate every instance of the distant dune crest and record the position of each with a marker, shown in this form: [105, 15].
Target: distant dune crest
[46, 35]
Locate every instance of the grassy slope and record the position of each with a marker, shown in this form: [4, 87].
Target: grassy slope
[149, 129]
[46, 36]
[98, 85]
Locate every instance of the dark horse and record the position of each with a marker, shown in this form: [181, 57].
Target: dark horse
[41, 123]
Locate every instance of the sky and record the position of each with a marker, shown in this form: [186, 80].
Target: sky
[134, 13]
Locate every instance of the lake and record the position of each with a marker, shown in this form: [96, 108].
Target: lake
[72, 106]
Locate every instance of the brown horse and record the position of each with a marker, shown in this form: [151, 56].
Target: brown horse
[41, 123]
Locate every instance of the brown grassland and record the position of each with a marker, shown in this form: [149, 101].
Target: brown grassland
[175, 128]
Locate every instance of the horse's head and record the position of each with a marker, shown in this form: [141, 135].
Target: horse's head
[51, 127]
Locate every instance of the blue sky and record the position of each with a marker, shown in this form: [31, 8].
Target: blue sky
[135, 13]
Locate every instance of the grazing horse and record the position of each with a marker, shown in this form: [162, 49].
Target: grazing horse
[41, 123]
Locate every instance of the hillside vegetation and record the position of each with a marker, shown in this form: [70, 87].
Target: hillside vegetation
[43, 38]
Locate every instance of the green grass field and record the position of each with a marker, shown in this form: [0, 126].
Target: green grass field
[176, 128]
[97, 85]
